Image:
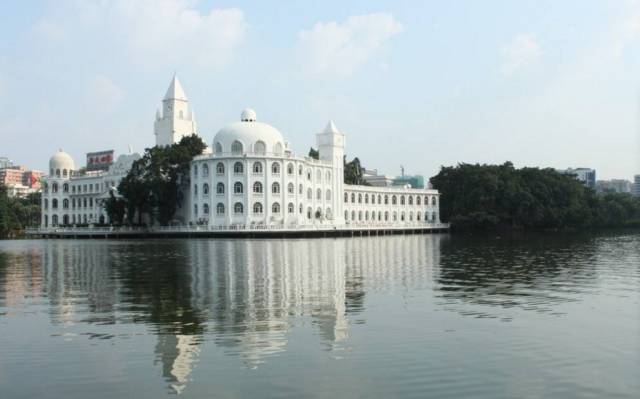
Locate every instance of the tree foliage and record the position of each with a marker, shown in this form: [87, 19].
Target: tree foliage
[492, 196]
[153, 184]
[18, 213]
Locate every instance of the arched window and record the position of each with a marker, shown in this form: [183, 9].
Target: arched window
[290, 207]
[275, 208]
[46, 203]
[257, 187]
[275, 168]
[328, 213]
[395, 216]
[54, 203]
[360, 215]
[402, 200]
[346, 216]
[57, 172]
[238, 208]
[220, 188]
[366, 215]
[309, 213]
[220, 208]
[309, 174]
[220, 168]
[205, 209]
[426, 200]
[411, 216]
[277, 149]
[289, 168]
[394, 200]
[195, 171]
[195, 189]
[238, 168]
[386, 216]
[64, 173]
[218, 148]
[205, 170]
[433, 200]
[257, 207]
[346, 197]
[275, 188]
[291, 188]
[386, 200]
[300, 170]
[402, 217]
[257, 167]
[54, 220]
[353, 198]
[65, 203]
[418, 214]
[373, 198]
[237, 188]
[300, 210]
[300, 189]
[260, 148]
[434, 216]
[379, 199]
[410, 200]
[45, 187]
[318, 194]
[195, 209]
[65, 188]
[328, 197]
[205, 189]
[359, 198]
[236, 148]
[426, 216]
[418, 201]
[54, 187]
[309, 193]
[353, 215]
[366, 198]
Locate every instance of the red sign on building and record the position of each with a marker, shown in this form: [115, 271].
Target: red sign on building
[100, 160]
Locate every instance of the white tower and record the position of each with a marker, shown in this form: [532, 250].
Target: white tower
[331, 148]
[177, 119]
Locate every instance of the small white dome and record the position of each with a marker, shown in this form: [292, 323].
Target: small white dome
[248, 115]
[248, 136]
[61, 161]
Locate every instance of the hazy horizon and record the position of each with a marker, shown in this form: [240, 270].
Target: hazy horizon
[538, 83]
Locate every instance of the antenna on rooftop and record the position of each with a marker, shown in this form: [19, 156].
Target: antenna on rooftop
[402, 170]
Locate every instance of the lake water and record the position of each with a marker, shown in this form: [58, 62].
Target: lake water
[554, 316]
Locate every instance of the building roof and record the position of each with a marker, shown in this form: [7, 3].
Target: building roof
[175, 90]
[248, 132]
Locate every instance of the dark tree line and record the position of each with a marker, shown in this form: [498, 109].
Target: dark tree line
[18, 213]
[501, 196]
[153, 185]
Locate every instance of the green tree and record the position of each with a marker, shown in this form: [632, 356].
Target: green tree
[153, 184]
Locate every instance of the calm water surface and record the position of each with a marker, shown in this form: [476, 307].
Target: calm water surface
[417, 316]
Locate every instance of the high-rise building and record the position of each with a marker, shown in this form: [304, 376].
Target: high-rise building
[613, 186]
[636, 186]
[585, 175]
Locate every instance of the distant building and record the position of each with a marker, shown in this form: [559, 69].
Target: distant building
[585, 175]
[613, 186]
[635, 190]
[18, 180]
[415, 181]
[372, 177]
[5, 162]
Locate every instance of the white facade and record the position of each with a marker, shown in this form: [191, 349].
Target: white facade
[248, 177]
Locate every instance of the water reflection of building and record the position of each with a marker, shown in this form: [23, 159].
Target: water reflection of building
[247, 295]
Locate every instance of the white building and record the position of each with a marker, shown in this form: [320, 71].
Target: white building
[249, 177]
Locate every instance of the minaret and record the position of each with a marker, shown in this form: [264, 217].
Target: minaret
[176, 119]
[331, 148]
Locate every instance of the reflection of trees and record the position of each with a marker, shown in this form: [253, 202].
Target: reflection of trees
[246, 294]
[531, 273]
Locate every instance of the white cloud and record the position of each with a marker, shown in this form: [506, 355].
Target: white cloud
[520, 54]
[342, 48]
[151, 31]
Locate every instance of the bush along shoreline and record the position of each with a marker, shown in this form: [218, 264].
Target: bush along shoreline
[484, 197]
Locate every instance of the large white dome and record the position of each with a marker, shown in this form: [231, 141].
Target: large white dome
[248, 136]
[61, 163]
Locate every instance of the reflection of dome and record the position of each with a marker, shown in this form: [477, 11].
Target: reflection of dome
[61, 161]
[248, 136]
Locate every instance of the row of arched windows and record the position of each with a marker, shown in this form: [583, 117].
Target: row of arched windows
[61, 173]
[379, 199]
[258, 189]
[379, 216]
[80, 203]
[257, 168]
[238, 208]
[237, 148]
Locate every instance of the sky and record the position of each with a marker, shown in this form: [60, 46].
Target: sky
[420, 84]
